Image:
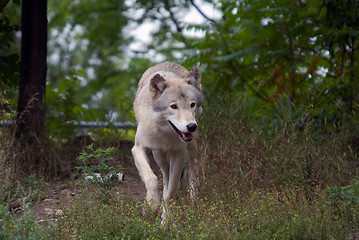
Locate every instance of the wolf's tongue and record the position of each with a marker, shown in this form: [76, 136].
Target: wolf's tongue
[186, 136]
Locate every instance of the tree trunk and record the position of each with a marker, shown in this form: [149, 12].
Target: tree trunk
[30, 118]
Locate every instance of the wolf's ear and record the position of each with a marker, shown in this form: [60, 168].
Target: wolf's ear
[157, 85]
[194, 78]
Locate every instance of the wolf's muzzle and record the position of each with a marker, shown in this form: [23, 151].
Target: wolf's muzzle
[186, 137]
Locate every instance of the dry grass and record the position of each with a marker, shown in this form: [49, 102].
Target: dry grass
[243, 156]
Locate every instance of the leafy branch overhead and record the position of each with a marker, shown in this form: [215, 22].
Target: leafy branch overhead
[265, 50]
[302, 52]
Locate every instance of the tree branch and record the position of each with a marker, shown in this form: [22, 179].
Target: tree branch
[203, 14]
[172, 16]
[230, 62]
[2, 6]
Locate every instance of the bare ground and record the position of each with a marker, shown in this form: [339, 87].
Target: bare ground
[61, 193]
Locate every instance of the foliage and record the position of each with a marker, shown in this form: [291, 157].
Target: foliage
[99, 221]
[100, 157]
[97, 168]
[280, 79]
[345, 200]
[348, 194]
[25, 168]
[9, 60]
[275, 49]
[91, 56]
[281, 214]
[24, 227]
[267, 50]
[244, 149]
[63, 110]
[14, 192]
[241, 195]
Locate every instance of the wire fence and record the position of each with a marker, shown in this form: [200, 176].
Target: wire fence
[84, 124]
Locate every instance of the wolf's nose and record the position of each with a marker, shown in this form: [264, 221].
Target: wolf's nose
[192, 127]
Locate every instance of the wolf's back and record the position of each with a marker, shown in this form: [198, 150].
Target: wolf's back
[165, 67]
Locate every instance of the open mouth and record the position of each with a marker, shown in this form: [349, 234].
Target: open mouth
[186, 137]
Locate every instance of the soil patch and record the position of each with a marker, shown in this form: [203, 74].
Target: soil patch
[61, 193]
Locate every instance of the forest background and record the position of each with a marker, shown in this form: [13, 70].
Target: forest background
[280, 80]
[261, 51]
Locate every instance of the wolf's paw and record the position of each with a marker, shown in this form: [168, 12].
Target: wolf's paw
[151, 209]
[167, 221]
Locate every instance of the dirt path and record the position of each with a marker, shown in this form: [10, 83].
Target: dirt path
[62, 194]
[59, 195]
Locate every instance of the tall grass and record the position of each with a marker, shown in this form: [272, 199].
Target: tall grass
[243, 150]
[258, 179]
[285, 213]
[273, 214]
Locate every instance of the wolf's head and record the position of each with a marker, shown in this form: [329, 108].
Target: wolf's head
[178, 102]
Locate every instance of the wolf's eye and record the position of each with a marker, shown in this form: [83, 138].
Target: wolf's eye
[174, 106]
[193, 104]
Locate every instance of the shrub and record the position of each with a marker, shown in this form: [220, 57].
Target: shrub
[244, 150]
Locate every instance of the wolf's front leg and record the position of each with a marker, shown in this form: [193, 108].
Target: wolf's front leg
[161, 160]
[192, 173]
[177, 159]
[147, 175]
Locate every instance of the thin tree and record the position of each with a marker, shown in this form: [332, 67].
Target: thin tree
[30, 118]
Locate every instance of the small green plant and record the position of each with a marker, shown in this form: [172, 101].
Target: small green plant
[29, 189]
[349, 194]
[23, 227]
[97, 168]
[345, 200]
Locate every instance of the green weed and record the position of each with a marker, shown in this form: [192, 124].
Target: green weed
[23, 227]
[345, 201]
[98, 170]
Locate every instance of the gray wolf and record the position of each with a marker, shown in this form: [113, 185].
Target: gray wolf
[168, 101]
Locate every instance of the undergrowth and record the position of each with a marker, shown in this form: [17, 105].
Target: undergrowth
[259, 179]
[245, 150]
[286, 213]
